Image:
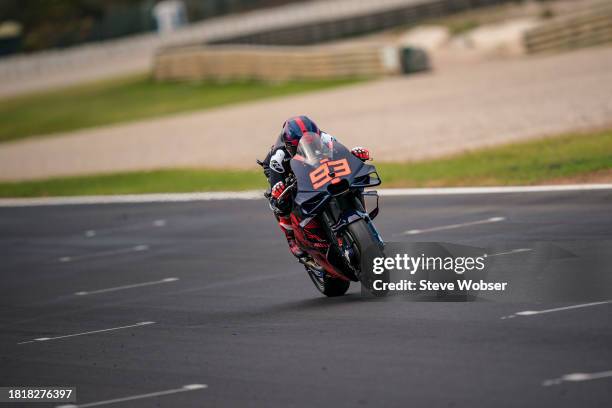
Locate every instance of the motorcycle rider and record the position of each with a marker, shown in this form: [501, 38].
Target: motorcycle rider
[277, 169]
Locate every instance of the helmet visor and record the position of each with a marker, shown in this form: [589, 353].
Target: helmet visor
[291, 148]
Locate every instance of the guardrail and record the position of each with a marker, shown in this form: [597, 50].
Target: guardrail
[591, 26]
[270, 63]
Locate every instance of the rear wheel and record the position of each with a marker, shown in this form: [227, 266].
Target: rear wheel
[327, 285]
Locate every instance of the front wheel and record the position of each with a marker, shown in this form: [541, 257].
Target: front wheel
[364, 238]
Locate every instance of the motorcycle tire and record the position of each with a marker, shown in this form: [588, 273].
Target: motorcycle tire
[363, 239]
[330, 287]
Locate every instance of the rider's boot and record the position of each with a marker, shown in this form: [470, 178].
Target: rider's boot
[303, 257]
[285, 225]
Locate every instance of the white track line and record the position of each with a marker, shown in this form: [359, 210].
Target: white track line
[453, 226]
[577, 377]
[137, 248]
[557, 309]
[184, 388]
[94, 233]
[135, 285]
[255, 194]
[132, 198]
[491, 190]
[85, 333]
[159, 223]
[512, 251]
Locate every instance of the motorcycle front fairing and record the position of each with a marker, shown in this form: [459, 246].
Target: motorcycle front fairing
[324, 169]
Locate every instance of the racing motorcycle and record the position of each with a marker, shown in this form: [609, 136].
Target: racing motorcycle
[334, 228]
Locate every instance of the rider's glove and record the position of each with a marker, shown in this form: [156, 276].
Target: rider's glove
[277, 190]
[361, 153]
[280, 206]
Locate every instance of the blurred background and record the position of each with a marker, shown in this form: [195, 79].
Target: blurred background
[136, 96]
[40, 25]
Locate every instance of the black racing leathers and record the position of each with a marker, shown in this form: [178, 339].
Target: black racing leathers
[277, 168]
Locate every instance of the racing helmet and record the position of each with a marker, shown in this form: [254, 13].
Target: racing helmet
[293, 130]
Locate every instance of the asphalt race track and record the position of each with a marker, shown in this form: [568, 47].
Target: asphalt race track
[133, 300]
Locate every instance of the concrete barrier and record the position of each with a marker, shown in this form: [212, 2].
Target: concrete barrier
[590, 26]
[269, 63]
[296, 23]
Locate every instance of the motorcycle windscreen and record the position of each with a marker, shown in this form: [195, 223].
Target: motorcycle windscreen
[313, 148]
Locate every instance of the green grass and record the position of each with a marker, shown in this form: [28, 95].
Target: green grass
[131, 98]
[174, 180]
[517, 164]
[457, 27]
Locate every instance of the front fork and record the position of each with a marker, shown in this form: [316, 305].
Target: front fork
[341, 212]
